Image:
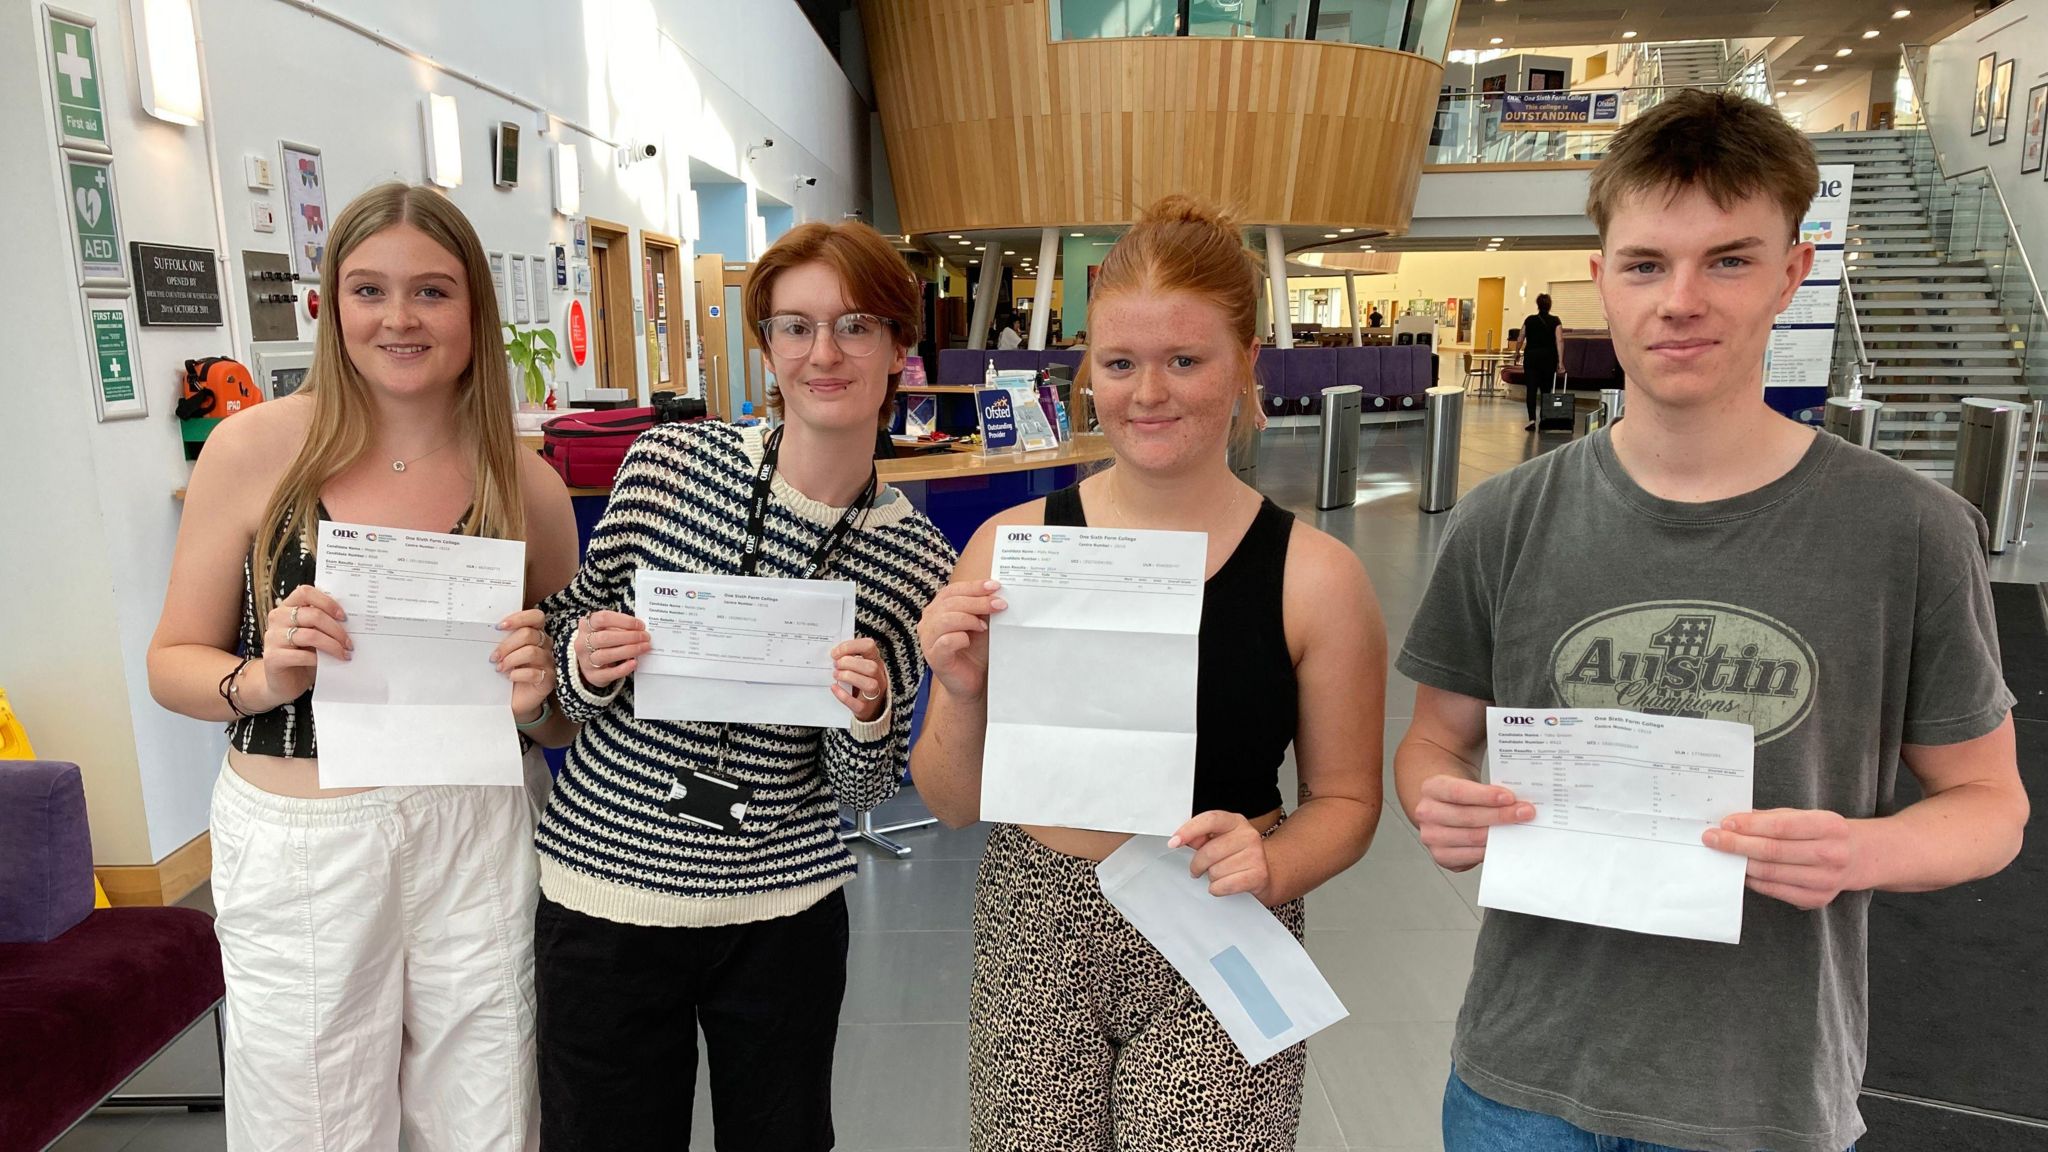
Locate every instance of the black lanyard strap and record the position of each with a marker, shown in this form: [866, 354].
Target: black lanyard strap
[757, 514]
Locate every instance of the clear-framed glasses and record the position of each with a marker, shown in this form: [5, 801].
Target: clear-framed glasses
[790, 336]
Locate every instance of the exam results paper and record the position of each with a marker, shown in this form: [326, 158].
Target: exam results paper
[1621, 800]
[743, 649]
[1092, 670]
[420, 701]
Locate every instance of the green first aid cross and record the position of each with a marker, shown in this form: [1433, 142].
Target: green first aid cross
[110, 345]
[74, 65]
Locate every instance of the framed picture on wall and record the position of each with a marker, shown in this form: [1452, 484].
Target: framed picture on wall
[2037, 128]
[305, 202]
[2001, 101]
[1980, 113]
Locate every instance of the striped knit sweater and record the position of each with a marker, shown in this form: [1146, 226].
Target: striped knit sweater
[607, 848]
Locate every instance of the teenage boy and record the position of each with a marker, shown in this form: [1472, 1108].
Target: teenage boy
[1707, 557]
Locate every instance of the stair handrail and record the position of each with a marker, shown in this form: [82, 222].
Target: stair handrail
[1864, 367]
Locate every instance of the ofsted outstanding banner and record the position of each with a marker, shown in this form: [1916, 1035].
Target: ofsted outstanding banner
[1802, 349]
[1559, 111]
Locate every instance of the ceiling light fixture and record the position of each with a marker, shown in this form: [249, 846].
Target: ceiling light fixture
[1009, 252]
[1843, 51]
[954, 236]
[1496, 40]
[1781, 96]
[1628, 35]
[1820, 67]
[1347, 231]
[1872, 34]
[1798, 82]
[1902, 13]
[1075, 235]
[1329, 235]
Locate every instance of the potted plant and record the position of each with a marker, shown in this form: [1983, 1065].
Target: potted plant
[533, 354]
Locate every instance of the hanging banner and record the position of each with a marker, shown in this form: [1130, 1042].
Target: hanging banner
[1802, 349]
[1559, 111]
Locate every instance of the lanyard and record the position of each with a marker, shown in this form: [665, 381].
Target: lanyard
[757, 514]
[750, 560]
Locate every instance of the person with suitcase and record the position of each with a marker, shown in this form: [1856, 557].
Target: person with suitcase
[1542, 351]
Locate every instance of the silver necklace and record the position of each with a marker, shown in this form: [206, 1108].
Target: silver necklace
[400, 465]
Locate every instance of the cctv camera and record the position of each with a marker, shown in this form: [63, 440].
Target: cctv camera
[768, 142]
[637, 151]
[807, 181]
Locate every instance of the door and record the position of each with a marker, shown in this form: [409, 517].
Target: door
[616, 341]
[1489, 328]
[668, 351]
[708, 276]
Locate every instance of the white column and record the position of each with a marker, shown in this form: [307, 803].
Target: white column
[1351, 306]
[1283, 309]
[985, 296]
[1041, 300]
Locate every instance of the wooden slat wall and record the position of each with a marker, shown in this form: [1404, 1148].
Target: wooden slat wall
[990, 124]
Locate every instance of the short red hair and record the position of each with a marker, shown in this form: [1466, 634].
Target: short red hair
[871, 273]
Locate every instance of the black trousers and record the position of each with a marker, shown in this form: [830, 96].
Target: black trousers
[1536, 380]
[619, 1010]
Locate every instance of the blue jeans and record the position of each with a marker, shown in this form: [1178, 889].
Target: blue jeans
[1473, 1123]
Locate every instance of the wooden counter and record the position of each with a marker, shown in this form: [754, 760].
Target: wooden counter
[965, 463]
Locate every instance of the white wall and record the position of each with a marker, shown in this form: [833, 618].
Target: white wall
[1849, 100]
[87, 522]
[1444, 275]
[2019, 32]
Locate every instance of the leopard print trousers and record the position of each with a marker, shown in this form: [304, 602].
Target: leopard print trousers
[1082, 1038]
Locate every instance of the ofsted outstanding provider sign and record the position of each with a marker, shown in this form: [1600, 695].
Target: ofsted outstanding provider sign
[1559, 111]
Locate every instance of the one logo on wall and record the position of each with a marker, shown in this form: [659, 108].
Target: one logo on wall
[1684, 658]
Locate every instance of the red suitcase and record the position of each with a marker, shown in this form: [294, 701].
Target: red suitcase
[588, 447]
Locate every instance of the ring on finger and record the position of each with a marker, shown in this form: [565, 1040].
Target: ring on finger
[295, 616]
[288, 634]
[871, 698]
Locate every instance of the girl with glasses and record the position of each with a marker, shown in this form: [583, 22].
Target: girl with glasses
[655, 923]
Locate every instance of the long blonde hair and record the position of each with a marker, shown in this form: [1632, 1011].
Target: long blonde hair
[344, 417]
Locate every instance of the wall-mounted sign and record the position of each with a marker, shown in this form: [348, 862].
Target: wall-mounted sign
[117, 389]
[579, 334]
[177, 286]
[95, 222]
[71, 54]
[561, 266]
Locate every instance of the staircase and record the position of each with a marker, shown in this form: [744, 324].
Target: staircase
[1933, 323]
[1688, 63]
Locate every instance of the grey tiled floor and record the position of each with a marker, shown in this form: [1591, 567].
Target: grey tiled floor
[1394, 934]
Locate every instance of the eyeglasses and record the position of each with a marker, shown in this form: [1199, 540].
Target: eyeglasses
[857, 334]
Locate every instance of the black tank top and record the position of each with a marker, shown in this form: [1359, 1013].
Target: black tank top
[1245, 693]
[286, 730]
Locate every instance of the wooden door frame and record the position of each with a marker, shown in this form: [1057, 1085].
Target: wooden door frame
[667, 254]
[616, 332]
[735, 275]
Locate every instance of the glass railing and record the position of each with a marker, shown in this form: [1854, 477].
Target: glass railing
[1972, 224]
[1478, 129]
[1419, 26]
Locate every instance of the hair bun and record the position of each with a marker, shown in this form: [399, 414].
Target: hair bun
[1178, 208]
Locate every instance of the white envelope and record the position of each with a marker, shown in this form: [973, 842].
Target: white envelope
[1246, 966]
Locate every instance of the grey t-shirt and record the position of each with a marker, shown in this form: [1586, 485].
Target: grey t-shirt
[1840, 610]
